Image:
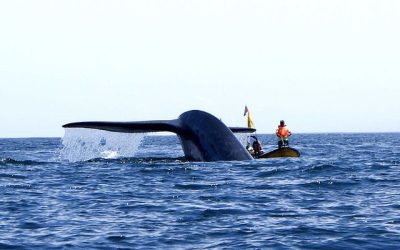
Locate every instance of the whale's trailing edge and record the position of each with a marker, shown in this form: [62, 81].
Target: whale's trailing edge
[130, 127]
[203, 136]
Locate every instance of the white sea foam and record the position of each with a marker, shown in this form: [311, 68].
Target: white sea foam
[80, 144]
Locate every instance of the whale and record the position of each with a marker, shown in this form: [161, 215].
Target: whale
[203, 136]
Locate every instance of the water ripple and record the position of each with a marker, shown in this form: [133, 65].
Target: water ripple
[335, 196]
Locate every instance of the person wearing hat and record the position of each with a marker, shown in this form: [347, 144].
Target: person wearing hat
[283, 134]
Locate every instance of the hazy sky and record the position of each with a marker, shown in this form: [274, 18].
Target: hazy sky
[323, 66]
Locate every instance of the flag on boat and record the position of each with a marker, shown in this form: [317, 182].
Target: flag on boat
[245, 110]
[250, 123]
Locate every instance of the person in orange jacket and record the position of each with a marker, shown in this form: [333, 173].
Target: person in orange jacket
[283, 134]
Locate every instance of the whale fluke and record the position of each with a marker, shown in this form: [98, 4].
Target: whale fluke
[202, 135]
[129, 127]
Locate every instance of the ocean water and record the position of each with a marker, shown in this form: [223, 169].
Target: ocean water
[342, 193]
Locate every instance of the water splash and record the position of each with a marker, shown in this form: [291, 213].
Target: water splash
[243, 138]
[80, 144]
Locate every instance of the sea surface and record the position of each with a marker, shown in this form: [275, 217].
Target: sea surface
[342, 193]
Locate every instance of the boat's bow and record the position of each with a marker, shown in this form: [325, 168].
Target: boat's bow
[281, 152]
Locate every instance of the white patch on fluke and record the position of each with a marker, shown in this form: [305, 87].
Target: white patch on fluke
[81, 144]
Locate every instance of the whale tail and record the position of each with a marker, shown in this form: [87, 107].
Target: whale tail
[143, 126]
[203, 136]
[130, 127]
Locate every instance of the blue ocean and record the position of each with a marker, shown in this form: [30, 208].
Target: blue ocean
[140, 193]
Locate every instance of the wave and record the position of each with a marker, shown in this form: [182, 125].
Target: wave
[330, 184]
[13, 176]
[8, 246]
[10, 161]
[192, 186]
[123, 160]
[139, 160]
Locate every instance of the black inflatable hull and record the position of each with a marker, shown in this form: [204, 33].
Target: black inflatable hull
[281, 152]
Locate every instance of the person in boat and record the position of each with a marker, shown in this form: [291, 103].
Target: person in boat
[250, 148]
[283, 134]
[257, 148]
